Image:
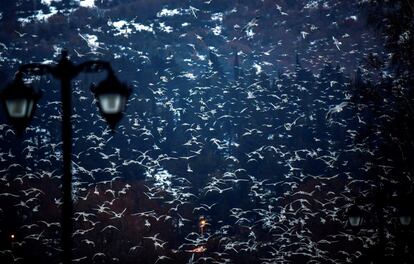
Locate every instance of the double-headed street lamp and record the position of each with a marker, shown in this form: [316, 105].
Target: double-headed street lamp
[20, 100]
[356, 216]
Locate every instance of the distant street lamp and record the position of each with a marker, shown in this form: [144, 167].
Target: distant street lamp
[380, 200]
[405, 220]
[202, 222]
[20, 100]
[405, 213]
[355, 217]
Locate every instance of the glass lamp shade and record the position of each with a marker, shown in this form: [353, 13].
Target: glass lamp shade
[355, 221]
[19, 107]
[19, 101]
[355, 217]
[111, 103]
[111, 96]
[405, 220]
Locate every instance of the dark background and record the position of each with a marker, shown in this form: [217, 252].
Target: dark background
[266, 117]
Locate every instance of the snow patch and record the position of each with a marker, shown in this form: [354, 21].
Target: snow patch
[126, 28]
[168, 12]
[39, 16]
[141, 27]
[217, 17]
[87, 3]
[165, 28]
[258, 68]
[190, 76]
[49, 2]
[217, 30]
[312, 5]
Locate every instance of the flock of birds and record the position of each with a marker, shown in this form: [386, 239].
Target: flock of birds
[204, 167]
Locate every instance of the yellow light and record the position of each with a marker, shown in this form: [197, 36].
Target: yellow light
[203, 222]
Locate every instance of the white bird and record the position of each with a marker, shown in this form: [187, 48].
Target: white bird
[109, 227]
[304, 34]
[89, 242]
[20, 34]
[336, 109]
[79, 54]
[250, 24]
[118, 215]
[336, 42]
[3, 45]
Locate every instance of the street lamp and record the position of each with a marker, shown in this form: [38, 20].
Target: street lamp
[405, 215]
[111, 96]
[405, 220]
[20, 100]
[355, 217]
[381, 199]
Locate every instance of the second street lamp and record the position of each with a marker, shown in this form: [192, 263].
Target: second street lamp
[405, 213]
[20, 100]
[382, 199]
[111, 96]
[355, 217]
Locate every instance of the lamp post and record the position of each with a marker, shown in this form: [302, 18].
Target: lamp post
[20, 100]
[381, 199]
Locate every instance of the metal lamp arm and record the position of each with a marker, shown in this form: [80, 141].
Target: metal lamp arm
[36, 69]
[65, 67]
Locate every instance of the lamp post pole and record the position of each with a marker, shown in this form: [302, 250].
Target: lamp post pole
[67, 209]
[110, 106]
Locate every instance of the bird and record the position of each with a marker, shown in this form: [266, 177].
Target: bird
[4, 47]
[337, 43]
[82, 231]
[204, 207]
[48, 225]
[20, 34]
[109, 227]
[336, 109]
[89, 242]
[250, 24]
[78, 54]
[118, 215]
[98, 255]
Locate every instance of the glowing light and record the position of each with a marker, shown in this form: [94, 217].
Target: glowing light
[199, 249]
[203, 222]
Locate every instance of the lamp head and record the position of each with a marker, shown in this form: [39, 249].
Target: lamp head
[405, 212]
[19, 100]
[111, 96]
[355, 217]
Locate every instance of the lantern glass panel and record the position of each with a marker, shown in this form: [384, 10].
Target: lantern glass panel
[405, 220]
[111, 103]
[19, 108]
[355, 221]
